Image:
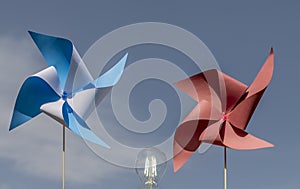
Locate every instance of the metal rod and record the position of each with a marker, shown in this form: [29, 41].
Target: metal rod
[225, 169]
[63, 156]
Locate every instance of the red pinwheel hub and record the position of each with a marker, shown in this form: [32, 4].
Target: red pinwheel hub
[224, 116]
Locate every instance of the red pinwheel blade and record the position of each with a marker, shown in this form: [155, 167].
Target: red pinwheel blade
[203, 111]
[242, 113]
[186, 141]
[200, 86]
[264, 76]
[211, 134]
[215, 87]
[234, 91]
[181, 156]
[239, 139]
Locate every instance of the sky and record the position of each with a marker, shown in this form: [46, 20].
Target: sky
[239, 35]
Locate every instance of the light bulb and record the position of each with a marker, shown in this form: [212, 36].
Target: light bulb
[150, 166]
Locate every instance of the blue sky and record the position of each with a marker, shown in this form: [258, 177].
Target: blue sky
[239, 34]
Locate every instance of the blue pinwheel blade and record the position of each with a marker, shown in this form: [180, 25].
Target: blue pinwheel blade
[79, 127]
[34, 92]
[56, 51]
[108, 79]
[112, 76]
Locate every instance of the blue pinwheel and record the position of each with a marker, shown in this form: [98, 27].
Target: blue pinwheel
[53, 90]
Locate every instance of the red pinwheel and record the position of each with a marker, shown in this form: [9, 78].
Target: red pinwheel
[224, 109]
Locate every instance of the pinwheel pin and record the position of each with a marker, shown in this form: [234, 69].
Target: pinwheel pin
[53, 90]
[222, 114]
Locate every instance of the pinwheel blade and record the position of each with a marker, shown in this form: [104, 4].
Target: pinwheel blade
[199, 86]
[234, 90]
[181, 156]
[186, 141]
[35, 91]
[56, 51]
[112, 76]
[79, 127]
[211, 134]
[78, 75]
[239, 139]
[53, 110]
[86, 101]
[264, 76]
[241, 114]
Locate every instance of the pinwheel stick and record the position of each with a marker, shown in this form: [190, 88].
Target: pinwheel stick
[63, 155]
[225, 169]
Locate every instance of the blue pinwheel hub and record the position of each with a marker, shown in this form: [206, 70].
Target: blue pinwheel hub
[44, 88]
[64, 96]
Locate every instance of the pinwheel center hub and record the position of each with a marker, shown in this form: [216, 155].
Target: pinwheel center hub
[224, 117]
[64, 96]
